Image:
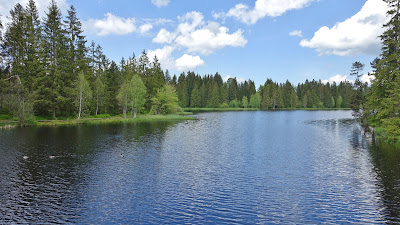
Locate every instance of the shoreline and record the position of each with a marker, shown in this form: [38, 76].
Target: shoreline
[255, 109]
[74, 122]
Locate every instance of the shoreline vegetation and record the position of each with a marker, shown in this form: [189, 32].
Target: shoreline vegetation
[194, 110]
[7, 124]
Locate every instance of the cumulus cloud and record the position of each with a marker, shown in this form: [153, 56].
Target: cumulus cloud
[262, 8]
[356, 35]
[115, 25]
[198, 36]
[145, 28]
[111, 24]
[160, 3]
[7, 5]
[297, 33]
[188, 62]
[164, 36]
[239, 80]
[337, 78]
[341, 78]
[164, 56]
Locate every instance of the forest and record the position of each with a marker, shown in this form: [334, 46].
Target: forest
[49, 70]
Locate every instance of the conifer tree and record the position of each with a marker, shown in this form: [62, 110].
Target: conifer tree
[51, 83]
[383, 95]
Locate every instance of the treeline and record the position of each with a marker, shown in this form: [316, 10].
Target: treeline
[210, 91]
[47, 69]
[379, 106]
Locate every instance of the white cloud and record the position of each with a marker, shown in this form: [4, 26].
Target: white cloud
[164, 36]
[337, 78]
[164, 56]
[145, 28]
[367, 78]
[356, 35]
[197, 36]
[188, 62]
[238, 80]
[110, 25]
[7, 5]
[160, 3]
[297, 33]
[262, 8]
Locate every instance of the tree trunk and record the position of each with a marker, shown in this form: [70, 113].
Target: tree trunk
[80, 105]
[124, 111]
[54, 108]
[97, 104]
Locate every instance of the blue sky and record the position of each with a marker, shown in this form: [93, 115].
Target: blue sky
[247, 39]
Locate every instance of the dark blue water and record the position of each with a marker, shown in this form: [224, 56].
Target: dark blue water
[224, 168]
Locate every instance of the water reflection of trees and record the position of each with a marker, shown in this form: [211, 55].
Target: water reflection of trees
[50, 185]
[386, 162]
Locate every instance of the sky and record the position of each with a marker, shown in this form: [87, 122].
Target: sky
[283, 40]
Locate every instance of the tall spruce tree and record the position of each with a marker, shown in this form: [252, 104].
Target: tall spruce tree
[51, 83]
[383, 96]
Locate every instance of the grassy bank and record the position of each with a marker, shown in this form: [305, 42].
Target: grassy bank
[253, 109]
[218, 109]
[117, 119]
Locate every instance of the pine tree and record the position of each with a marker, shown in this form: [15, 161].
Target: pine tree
[383, 94]
[51, 83]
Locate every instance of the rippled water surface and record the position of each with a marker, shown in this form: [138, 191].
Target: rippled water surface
[224, 168]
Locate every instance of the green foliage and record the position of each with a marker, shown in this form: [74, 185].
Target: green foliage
[83, 94]
[166, 101]
[234, 104]
[339, 102]
[382, 102]
[5, 117]
[391, 127]
[245, 102]
[101, 116]
[138, 94]
[124, 96]
[255, 101]
[224, 105]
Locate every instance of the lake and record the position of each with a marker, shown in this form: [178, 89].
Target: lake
[224, 168]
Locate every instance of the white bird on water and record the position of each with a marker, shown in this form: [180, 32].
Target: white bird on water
[51, 156]
[25, 157]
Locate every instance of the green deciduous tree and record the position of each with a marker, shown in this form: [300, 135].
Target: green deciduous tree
[166, 101]
[255, 100]
[245, 102]
[83, 94]
[138, 94]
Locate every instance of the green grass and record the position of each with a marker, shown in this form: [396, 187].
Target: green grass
[141, 118]
[253, 109]
[104, 120]
[218, 109]
[5, 117]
